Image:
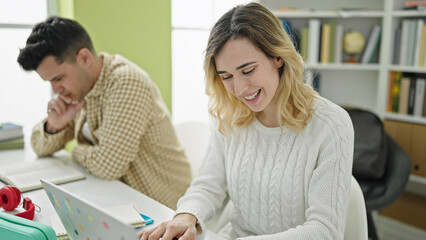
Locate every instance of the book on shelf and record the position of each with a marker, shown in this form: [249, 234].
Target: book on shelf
[418, 39]
[331, 53]
[304, 38]
[404, 40]
[325, 43]
[411, 96]
[126, 213]
[372, 44]
[396, 89]
[396, 46]
[418, 7]
[404, 95]
[411, 3]
[316, 82]
[314, 40]
[292, 33]
[17, 143]
[424, 106]
[422, 48]
[424, 60]
[420, 95]
[411, 42]
[338, 47]
[286, 26]
[10, 131]
[390, 90]
[26, 176]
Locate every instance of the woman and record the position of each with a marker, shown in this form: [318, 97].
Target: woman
[281, 152]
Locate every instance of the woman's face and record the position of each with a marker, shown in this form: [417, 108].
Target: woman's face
[248, 74]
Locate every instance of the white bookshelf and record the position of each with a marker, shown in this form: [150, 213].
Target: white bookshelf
[358, 15]
[339, 80]
[359, 85]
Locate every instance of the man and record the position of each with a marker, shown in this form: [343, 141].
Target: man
[111, 107]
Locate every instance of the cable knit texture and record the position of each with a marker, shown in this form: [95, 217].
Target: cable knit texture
[283, 185]
[134, 139]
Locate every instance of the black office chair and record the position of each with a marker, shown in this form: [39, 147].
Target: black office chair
[380, 165]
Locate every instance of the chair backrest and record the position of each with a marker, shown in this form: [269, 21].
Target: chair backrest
[370, 147]
[194, 137]
[356, 220]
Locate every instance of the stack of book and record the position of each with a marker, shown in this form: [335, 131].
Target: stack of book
[322, 42]
[410, 43]
[11, 136]
[407, 93]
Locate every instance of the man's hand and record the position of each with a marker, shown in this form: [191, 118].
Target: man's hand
[61, 110]
[181, 227]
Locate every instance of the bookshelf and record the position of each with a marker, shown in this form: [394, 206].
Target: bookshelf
[360, 16]
[366, 85]
[348, 84]
[363, 85]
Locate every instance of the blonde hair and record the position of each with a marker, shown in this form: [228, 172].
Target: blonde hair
[293, 97]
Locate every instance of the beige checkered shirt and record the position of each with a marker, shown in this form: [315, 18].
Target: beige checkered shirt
[134, 139]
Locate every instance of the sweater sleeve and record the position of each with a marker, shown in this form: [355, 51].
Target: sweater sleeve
[328, 187]
[45, 144]
[208, 190]
[126, 116]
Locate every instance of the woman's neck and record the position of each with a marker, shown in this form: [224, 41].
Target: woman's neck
[268, 117]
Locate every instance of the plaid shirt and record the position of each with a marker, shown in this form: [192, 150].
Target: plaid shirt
[134, 139]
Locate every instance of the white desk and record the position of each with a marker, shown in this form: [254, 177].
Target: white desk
[112, 191]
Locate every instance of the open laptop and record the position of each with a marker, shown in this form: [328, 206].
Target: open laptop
[83, 220]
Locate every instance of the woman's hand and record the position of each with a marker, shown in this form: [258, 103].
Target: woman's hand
[181, 227]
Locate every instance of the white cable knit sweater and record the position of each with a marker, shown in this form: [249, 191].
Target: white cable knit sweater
[283, 185]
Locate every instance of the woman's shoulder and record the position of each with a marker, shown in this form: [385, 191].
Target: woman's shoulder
[328, 113]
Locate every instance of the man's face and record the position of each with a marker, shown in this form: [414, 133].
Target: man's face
[69, 79]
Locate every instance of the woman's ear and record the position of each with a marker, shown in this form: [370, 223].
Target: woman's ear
[279, 62]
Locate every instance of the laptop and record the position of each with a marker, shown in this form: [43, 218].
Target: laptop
[84, 220]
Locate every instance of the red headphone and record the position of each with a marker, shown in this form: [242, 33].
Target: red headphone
[10, 197]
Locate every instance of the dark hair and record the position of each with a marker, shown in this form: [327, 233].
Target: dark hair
[56, 36]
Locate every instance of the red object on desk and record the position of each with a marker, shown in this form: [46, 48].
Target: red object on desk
[10, 197]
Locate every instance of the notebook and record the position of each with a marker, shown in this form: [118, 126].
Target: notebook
[84, 220]
[127, 213]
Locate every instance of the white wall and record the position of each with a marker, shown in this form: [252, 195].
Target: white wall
[191, 24]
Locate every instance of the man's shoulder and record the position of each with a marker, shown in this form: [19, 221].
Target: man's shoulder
[121, 68]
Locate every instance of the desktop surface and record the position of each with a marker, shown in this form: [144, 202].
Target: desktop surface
[104, 193]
